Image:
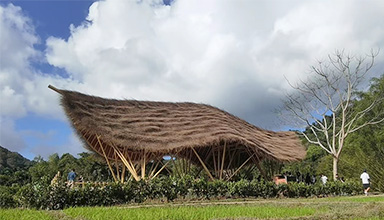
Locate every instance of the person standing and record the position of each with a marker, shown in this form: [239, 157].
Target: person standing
[323, 179]
[338, 178]
[307, 179]
[313, 179]
[366, 182]
[71, 178]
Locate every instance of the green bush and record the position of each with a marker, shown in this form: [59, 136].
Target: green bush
[58, 197]
[240, 188]
[200, 188]
[7, 199]
[42, 196]
[217, 188]
[33, 196]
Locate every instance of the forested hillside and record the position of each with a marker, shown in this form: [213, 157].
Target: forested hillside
[12, 161]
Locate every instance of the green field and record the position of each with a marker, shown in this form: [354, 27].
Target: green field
[357, 207]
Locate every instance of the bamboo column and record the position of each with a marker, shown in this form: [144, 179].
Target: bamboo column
[106, 158]
[131, 169]
[203, 164]
[245, 162]
[143, 159]
[222, 161]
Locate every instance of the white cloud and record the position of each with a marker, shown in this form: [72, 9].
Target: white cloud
[231, 54]
[23, 89]
[226, 53]
[9, 137]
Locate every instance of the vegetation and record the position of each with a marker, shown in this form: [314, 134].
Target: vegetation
[363, 149]
[13, 168]
[356, 207]
[60, 196]
[25, 214]
[326, 103]
[11, 161]
[27, 184]
[192, 212]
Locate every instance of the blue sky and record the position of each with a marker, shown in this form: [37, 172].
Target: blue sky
[233, 55]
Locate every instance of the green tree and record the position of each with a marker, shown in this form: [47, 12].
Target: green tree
[365, 148]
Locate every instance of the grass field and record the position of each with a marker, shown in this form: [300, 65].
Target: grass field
[357, 207]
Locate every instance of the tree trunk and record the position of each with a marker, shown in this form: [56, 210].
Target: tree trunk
[335, 162]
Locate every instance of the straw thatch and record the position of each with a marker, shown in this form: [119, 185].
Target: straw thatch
[163, 128]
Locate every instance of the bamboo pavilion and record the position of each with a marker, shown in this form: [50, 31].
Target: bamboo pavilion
[135, 136]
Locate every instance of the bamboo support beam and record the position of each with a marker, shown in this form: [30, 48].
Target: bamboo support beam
[245, 162]
[117, 167]
[218, 162]
[230, 160]
[124, 160]
[152, 171]
[214, 161]
[123, 174]
[106, 158]
[164, 166]
[189, 161]
[175, 166]
[207, 156]
[143, 165]
[262, 171]
[133, 166]
[202, 163]
[222, 162]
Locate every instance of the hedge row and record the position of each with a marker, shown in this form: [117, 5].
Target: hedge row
[60, 196]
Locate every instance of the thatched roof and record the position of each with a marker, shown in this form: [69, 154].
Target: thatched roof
[163, 127]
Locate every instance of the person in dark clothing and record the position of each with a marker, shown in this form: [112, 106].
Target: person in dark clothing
[71, 178]
[308, 179]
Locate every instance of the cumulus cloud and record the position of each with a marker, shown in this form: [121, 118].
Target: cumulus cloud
[226, 53]
[18, 80]
[231, 54]
[23, 89]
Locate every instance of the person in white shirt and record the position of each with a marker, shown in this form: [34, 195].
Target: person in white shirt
[323, 179]
[366, 182]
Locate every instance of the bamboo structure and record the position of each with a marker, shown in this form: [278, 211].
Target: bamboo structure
[134, 137]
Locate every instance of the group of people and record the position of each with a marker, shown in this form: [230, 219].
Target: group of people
[308, 179]
[365, 179]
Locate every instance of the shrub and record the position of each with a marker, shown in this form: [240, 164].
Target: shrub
[200, 188]
[240, 188]
[217, 188]
[7, 199]
[33, 196]
[42, 196]
[57, 197]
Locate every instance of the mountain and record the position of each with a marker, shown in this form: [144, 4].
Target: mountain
[12, 161]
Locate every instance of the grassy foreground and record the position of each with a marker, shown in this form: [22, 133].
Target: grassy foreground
[357, 207]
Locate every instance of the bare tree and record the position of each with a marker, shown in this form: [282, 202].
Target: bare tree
[324, 102]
